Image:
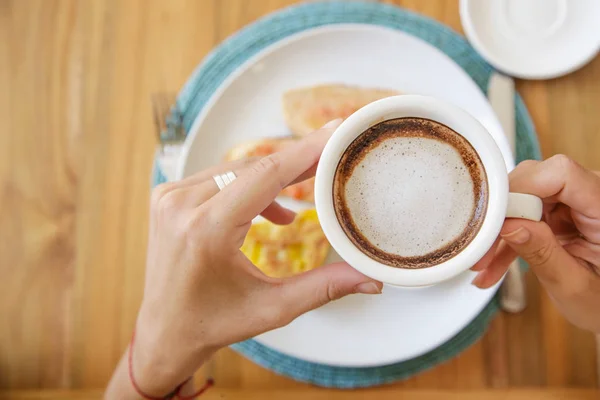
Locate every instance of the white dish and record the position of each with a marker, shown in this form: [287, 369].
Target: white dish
[533, 39]
[361, 330]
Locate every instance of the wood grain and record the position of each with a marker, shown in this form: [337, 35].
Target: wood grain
[302, 394]
[76, 146]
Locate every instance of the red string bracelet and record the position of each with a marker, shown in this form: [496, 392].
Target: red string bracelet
[209, 382]
[176, 392]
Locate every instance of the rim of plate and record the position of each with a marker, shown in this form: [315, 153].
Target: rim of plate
[207, 107]
[233, 76]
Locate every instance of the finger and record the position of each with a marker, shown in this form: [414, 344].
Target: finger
[249, 195]
[278, 214]
[315, 288]
[202, 190]
[187, 389]
[208, 173]
[523, 167]
[194, 195]
[196, 189]
[240, 165]
[535, 243]
[560, 221]
[198, 193]
[202, 186]
[487, 258]
[560, 179]
[495, 271]
[588, 252]
[210, 187]
[309, 173]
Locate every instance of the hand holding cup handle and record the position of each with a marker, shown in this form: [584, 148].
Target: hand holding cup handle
[562, 250]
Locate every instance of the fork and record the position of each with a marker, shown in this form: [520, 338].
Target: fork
[168, 119]
[170, 132]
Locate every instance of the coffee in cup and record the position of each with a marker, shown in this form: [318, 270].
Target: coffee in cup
[422, 217]
[410, 192]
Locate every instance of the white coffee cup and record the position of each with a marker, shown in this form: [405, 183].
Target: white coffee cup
[501, 203]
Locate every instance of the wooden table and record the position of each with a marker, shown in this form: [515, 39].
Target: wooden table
[76, 148]
[322, 394]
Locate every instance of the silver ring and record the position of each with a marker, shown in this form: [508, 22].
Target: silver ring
[224, 179]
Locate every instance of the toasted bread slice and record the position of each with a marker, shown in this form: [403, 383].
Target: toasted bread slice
[308, 109]
[304, 191]
[258, 148]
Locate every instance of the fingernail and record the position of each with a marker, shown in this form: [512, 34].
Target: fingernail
[478, 280]
[478, 267]
[332, 124]
[368, 288]
[289, 212]
[519, 236]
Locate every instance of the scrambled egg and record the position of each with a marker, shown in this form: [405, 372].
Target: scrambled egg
[285, 250]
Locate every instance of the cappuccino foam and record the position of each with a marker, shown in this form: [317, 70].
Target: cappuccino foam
[414, 192]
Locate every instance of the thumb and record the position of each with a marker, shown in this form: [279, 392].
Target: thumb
[315, 288]
[536, 243]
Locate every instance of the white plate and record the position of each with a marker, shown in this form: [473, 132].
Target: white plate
[533, 39]
[360, 330]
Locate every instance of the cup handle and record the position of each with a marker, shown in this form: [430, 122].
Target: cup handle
[527, 206]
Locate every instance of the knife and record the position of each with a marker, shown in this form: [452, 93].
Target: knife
[501, 94]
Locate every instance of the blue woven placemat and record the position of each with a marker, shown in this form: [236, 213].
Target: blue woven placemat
[237, 49]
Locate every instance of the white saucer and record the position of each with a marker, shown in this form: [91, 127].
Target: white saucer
[359, 330]
[533, 39]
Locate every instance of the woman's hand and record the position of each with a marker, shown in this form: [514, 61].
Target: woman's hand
[201, 292]
[563, 250]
